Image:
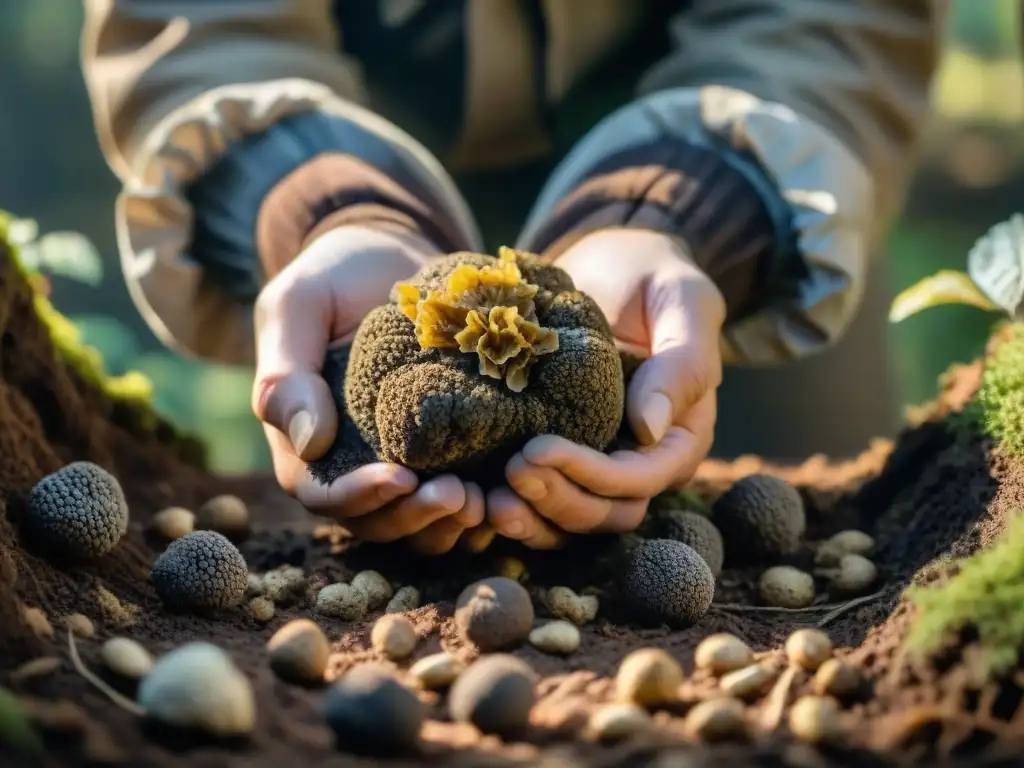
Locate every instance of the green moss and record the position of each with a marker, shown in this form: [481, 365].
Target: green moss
[998, 407]
[16, 732]
[986, 595]
[131, 393]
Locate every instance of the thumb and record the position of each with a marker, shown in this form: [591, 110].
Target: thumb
[685, 362]
[293, 326]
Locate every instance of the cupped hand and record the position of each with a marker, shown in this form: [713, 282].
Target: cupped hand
[317, 301]
[662, 307]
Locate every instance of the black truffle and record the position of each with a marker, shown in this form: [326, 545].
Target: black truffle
[494, 613]
[79, 510]
[200, 571]
[763, 517]
[668, 583]
[697, 532]
[370, 712]
[495, 694]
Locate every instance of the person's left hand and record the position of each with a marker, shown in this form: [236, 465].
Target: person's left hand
[662, 307]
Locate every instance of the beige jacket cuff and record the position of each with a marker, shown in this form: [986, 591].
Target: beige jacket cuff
[186, 309]
[827, 188]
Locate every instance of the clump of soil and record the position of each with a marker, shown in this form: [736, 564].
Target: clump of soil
[938, 493]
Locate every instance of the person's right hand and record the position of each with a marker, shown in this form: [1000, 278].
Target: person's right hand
[317, 301]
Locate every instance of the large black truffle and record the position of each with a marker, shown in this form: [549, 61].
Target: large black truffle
[370, 712]
[79, 510]
[495, 694]
[200, 571]
[667, 582]
[763, 517]
[697, 532]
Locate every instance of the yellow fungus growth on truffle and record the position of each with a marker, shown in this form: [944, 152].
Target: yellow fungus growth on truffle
[507, 344]
[488, 311]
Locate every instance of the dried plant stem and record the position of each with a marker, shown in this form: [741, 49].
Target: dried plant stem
[119, 699]
[836, 608]
[841, 609]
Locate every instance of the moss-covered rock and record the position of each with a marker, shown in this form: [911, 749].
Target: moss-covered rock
[984, 596]
[998, 407]
[472, 358]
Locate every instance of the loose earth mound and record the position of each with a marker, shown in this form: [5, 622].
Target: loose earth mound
[944, 491]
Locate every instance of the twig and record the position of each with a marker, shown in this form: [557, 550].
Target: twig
[833, 607]
[840, 610]
[120, 700]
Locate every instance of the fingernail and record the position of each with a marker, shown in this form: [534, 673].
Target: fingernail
[431, 494]
[657, 415]
[300, 431]
[532, 489]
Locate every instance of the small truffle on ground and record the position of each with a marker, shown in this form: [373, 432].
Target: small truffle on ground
[198, 686]
[283, 584]
[668, 582]
[394, 636]
[854, 575]
[697, 532]
[378, 589]
[494, 613]
[261, 609]
[566, 604]
[495, 694]
[648, 677]
[224, 514]
[299, 652]
[784, 586]
[200, 571]
[722, 653]
[406, 598]
[173, 523]
[556, 637]
[850, 542]
[763, 515]
[371, 712]
[342, 601]
[79, 510]
[126, 658]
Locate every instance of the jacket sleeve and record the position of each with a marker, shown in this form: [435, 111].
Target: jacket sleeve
[776, 140]
[237, 130]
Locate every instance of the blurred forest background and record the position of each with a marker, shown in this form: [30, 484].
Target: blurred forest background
[972, 176]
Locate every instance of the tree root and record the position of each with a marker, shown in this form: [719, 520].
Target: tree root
[119, 699]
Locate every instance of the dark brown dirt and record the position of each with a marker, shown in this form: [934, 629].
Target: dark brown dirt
[932, 494]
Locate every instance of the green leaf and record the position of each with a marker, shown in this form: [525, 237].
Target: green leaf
[16, 730]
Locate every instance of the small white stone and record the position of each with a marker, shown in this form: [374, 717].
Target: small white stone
[722, 653]
[748, 683]
[438, 670]
[851, 542]
[786, 587]
[199, 686]
[854, 575]
[173, 523]
[126, 657]
[378, 590]
[343, 601]
[816, 719]
[406, 598]
[394, 636]
[809, 648]
[614, 722]
[560, 637]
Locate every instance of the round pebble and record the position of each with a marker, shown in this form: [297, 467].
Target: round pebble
[226, 514]
[784, 586]
[283, 584]
[436, 671]
[372, 713]
[406, 598]
[126, 658]
[81, 625]
[748, 683]
[495, 694]
[854, 575]
[722, 653]
[831, 551]
[198, 686]
[299, 652]
[809, 648]
[343, 601]
[838, 679]
[648, 677]
[494, 613]
[716, 720]
[816, 719]
[560, 637]
[378, 589]
[174, 522]
[614, 722]
[261, 609]
[566, 604]
[394, 636]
